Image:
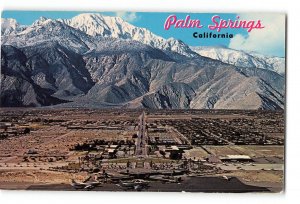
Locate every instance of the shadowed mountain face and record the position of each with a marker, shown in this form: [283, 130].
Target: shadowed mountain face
[58, 62]
[17, 87]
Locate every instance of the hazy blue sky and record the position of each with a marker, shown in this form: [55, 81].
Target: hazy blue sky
[155, 23]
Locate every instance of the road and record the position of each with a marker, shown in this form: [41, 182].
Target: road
[254, 167]
[30, 165]
[141, 142]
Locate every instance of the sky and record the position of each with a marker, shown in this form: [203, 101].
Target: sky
[269, 40]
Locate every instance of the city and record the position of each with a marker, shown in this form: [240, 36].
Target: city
[142, 150]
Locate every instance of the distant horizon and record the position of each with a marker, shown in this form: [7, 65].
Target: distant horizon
[241, 40]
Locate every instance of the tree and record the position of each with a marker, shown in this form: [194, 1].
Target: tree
[163, 153]
[26, 131]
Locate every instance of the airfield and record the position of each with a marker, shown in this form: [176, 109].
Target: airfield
[142, 150]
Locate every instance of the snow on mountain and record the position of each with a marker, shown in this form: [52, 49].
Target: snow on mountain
[97, 25]
[10, 26]
[47, 30]
[116, 27]
[40, 21]
[277, 63]
[242, 58]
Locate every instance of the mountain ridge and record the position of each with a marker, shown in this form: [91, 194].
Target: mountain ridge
[64, 64]
[242, 58]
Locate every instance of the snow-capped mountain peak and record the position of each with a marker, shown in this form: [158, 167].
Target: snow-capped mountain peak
[88, 25]
[115, 27]
[8, 25]
[95, 24]
[242, 58]
[40, 21]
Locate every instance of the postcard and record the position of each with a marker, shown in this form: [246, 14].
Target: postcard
[142, 101]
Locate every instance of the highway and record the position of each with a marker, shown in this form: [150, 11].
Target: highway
[141, 142]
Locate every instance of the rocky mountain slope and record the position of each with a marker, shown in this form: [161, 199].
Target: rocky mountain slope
[17, 87]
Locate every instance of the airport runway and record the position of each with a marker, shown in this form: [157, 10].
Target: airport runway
[191, 184]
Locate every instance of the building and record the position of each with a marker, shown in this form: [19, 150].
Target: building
[236, 158]
[173, 152]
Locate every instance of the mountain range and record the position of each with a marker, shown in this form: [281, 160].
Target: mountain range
[93, 60]
[242, 58]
